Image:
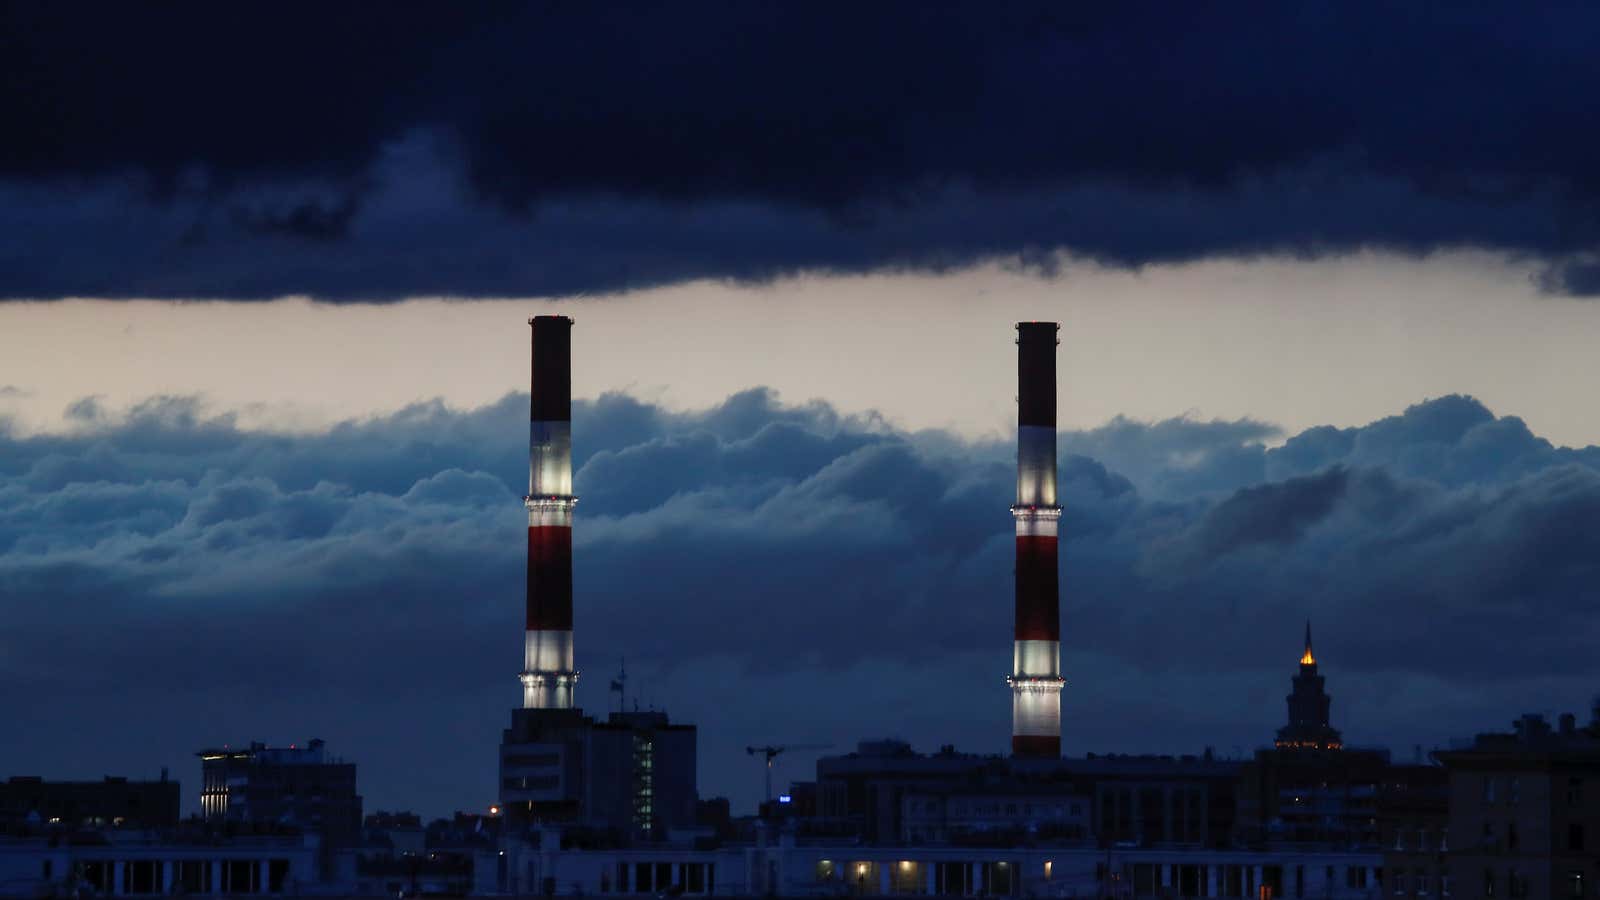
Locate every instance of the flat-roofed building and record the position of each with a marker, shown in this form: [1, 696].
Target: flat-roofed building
[1524, 814]
[30, 802]
[303, 787]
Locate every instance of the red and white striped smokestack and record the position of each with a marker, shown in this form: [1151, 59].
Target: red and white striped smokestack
[548, 675]
[1036, 653]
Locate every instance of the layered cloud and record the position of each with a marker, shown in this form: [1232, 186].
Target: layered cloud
[514, 149]
[773, 572]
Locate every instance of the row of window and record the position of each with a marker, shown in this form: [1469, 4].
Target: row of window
[662, 878]
[237, 876]
[1424, 842]
[1514, 884]
[994, 809]
[1575, 837]
[1513, 790]
[532, 783]
[1420, 883]
[537, 760]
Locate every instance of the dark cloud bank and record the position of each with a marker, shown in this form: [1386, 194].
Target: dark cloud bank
[775, 573]
[349, 152]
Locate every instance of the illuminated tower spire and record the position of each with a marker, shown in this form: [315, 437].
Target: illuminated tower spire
[1308, 700]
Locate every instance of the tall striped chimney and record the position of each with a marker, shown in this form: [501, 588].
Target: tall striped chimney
[548, 676]
[1036, 654]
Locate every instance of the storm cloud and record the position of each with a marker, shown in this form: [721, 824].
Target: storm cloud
[772, 571]
[191, 150]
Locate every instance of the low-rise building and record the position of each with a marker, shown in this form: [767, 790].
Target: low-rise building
[994, 816]
[296, 786]
[144, 863]
[30, 802]
[887, 794]
[785, 866]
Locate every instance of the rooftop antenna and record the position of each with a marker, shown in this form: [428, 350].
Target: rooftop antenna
[620, 685]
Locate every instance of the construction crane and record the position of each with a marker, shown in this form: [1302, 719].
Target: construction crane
[771, 752]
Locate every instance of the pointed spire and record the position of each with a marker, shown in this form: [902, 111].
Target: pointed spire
[1307, 659]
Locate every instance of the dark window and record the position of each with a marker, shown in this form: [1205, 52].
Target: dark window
[1488, 883]
[533, 782]
[277, 875]
[1511, 836]
[1574, 837]
[1574, 791]
[533, 759]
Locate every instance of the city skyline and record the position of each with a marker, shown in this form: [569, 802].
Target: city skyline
[1365, 676]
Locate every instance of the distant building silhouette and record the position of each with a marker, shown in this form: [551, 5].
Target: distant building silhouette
[300, 787]
[1524, 815]
[1309, 703]
[632, 775]
[28, 802]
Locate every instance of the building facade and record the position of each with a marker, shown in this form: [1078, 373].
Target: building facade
[29, 802]
[632, 775]
[1524, 815]
[129, 864]
[300, 787]
[780, 865]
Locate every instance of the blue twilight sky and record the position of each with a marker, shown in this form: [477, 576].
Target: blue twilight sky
[1324, 273]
